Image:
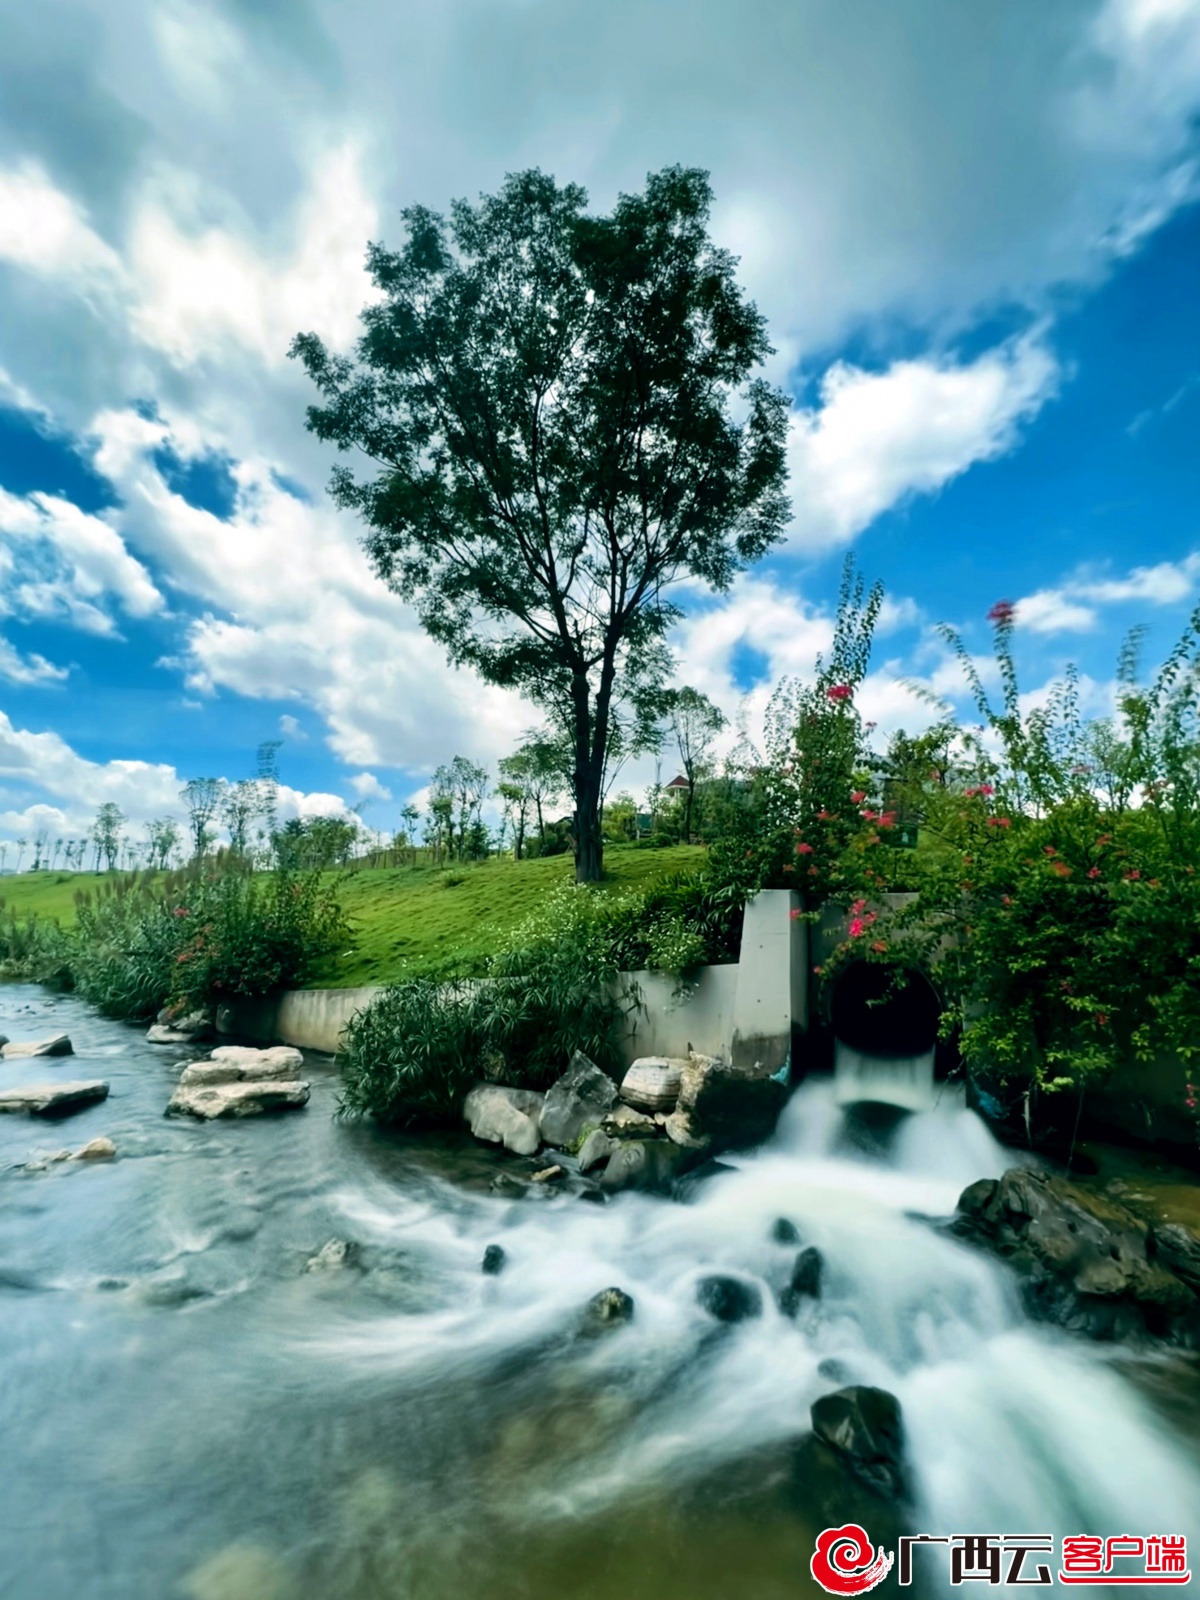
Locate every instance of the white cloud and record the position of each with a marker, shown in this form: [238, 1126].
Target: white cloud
[877, 438]
[1072, 606]
[368, 787]
[290, 728]
[44, 231]
[65, 561]
[30, 669]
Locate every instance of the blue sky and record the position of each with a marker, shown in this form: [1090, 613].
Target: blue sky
[974, 231]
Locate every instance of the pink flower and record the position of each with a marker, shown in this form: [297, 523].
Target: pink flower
[987, 788]
[1133, 873]
[887, 819]
[824, 816]
[1093, 872]
[857, 909]
[837, 692]
[999, 822]
[1002, 613]
[1049, 850]
[804, 849]
[868, 816]
[795, 915]
[858, 796]
[857, 928]
[182, 911]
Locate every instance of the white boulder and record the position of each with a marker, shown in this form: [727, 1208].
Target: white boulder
[652, 1083]
[246, 1099]
[505, 1116]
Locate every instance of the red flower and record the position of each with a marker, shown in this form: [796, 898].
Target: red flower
[824, 816]
[1132, 873]
[1093, 872]
[1048, 849]
[857, 928]
[999, 822]
[837, 692]
[1002, 613]
[879, 946]
[1062, 869]
[788, 867]
[868, 816]
[887, 819]
[795, 915]
[804, 849]
[858, 796]
[182, 911]
[1102, 1019]
[1006, 899]
[857, 909]
[814, 872]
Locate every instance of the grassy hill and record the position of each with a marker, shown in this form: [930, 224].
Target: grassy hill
[406, 919]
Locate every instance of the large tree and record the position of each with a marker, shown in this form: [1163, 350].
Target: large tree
[695, 723]
[561, 411]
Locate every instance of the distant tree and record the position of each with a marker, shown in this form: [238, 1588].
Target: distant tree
[549, 398]
[317, 843]
[203, 798]
[21, 844]
[466, 784]
[241, 804]
[695, 724]
[545, 764]
[268, 786]
[410, 816]
[41, 848]
[106, 834]
[514, 791]
[162, 840]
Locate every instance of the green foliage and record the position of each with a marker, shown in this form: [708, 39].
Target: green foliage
[193, 938]
[412, 1055]
[550, 397]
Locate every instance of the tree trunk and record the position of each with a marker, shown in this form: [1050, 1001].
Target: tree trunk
[687, 814]
[589, 846]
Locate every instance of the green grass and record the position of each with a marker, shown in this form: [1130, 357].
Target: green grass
[408, 920]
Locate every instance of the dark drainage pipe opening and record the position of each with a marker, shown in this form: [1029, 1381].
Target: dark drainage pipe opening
[876, 1016]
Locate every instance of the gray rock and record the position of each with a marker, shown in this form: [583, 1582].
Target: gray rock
[609, 1309]
[101, 1149]
[646, 1164]
[1178, 1250]
[595, 1150]
[256, 1066]
[623, 1122]
[504, 1116]
[191, 1025]
[58, 1044]
[722, 1107]
[53, 1099]
[784, 1232]
[579, 1098]
[494, 1258]
[332, 1256]
[864, 1426]
[729, 1299]
[652, 1083]
[1084, 1261]
[237, 1099]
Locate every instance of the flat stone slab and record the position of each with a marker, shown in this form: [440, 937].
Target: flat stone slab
[244, 1055]
[53, 1099]
[58, 1044]
[237, 1099]
[163, 1033]
[201, 1073]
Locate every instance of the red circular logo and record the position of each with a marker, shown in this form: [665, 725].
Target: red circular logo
[845, 1562]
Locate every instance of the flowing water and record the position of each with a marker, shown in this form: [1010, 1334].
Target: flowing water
[185, 1411]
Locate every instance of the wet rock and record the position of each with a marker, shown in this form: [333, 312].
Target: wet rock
[833, 1370]
[608, 1309]
[247, 1066]
[101, 1149]
[623, 1122]
[333, 1256]
[44, 1163]
[864, 1428]
[805, 1281]
[577, 1100]
[686, 1188]
[784, 1232]
[722, 1107]
[652, 1083]
[504, 1116]
[1178, 1250]
[647, 1165]
[192, 1027]
[1084, 1260]
[729, 1299]
[58, 1044]
[53, 1099]
[494, 1258]
[595, 1150]
[207, 1101]
[547, 1175]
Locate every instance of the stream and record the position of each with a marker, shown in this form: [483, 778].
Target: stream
[186, 1411]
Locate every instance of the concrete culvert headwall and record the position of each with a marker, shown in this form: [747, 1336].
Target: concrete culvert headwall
[876, 1015]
